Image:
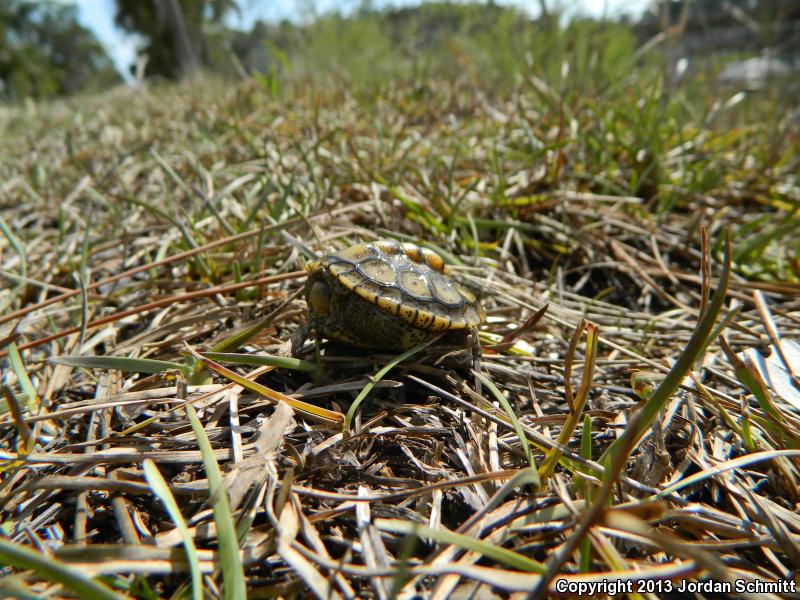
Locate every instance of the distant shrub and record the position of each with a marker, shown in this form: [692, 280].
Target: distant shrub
[490, 45]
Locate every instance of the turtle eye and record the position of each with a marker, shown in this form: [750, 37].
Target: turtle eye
[320, 297]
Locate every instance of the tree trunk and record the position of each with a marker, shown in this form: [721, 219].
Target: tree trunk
[185, 51]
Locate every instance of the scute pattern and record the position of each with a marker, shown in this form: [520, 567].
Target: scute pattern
[385, 294]
[379, 271]
[446, 292]
[415, 284]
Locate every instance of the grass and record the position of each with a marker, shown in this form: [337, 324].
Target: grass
[619, 425]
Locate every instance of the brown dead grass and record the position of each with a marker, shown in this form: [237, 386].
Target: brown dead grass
[187, 220]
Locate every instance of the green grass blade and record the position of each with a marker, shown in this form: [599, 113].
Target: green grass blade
[51, 569]
[736, 463]
[19, 249]
[749, 377]
[162, 491]
[686, 359]
[239, 339]
[260, 360]
[15, 360]
[507, 408]
[445, 536]
[328, 416]
[167, 168]
[84, 312]
[235, 587]
[585, 560]
[120, 363]
[348, 419]
[752, 247]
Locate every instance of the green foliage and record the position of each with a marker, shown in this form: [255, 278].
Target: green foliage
[53, 570]
[270, 80]
[45, 52]
[334, 48]
[491, 46]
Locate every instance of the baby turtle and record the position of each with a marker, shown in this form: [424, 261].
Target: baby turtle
[386, 295]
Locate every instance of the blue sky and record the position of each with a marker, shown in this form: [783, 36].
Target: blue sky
[98, 15]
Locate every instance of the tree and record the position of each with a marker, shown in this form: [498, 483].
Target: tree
[45, 52]
[174, 31]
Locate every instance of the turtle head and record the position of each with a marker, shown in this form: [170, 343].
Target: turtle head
[319, 297]
[318, 292]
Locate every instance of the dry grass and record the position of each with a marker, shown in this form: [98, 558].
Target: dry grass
[142, 224]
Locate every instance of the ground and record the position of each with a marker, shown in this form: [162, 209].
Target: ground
[636, 266]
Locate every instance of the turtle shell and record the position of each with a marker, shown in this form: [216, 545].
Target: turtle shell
[386, 294]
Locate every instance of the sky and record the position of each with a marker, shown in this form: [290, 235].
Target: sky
[98, 15]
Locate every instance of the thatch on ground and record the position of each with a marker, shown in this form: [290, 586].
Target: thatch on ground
[146, 224]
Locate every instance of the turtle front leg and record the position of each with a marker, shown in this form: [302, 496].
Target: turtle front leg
[299, 338]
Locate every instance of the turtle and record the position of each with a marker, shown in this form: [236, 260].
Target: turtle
[387, 295]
